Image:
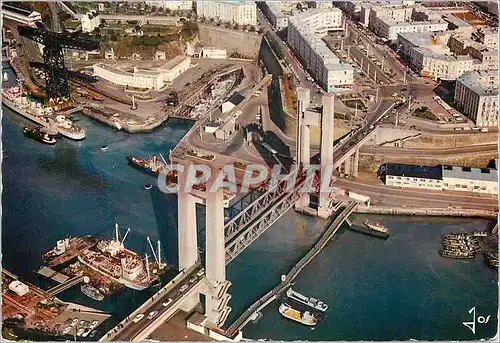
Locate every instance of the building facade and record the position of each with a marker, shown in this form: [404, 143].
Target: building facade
[138, 79]
[304, 36]
[476, 95]
[174, 68]
[441, 177]
[389, 29]
[172, 5]
[238, 12]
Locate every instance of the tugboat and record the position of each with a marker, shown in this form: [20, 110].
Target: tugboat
[153, 165]
[311, 302]
[92, 292]
[37, 134]
[288, 312]
[374, 229]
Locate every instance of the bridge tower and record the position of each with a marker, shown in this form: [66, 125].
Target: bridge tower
[325, 121]
[217, 298]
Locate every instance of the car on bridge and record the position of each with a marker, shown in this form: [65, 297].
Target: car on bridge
[138, 318]
[152, 314]
[183, 288]
[200, 272]
[166, 303]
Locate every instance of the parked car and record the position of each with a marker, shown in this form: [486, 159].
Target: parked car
[183, 288]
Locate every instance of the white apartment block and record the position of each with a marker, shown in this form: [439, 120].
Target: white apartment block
[90, 21]
[138, 79]
[488, 37]
[389, 29]
[476, 95]
[278, 12]
[445, 55]
[238, 12]
[304, 37]
[172, 5]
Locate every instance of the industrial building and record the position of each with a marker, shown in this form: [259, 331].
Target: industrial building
[476, 95]
[440, 177]
[304, 36]
[141, 78]
[172, 5]
[211, 52]
[138, 79]
[239, 12]
[174, 68]
[21, 15]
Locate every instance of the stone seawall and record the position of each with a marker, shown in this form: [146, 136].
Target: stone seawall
[245, 43]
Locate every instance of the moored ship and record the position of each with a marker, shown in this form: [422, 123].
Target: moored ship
[91, 292]
[306, 318]
[15, 99]
[153, 165]
[111, 259]
[311, 302]
[373, 229]
[68, 248]
[37, 134]
[456, 254]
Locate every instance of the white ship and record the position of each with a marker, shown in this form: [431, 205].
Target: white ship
[13, 98]
[311, 302]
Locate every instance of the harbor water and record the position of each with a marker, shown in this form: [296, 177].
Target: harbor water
[395, 289]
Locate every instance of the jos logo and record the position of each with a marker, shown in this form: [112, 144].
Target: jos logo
[481, 320]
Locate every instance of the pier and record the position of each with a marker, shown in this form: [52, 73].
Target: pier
[294, 272]
[64, 286]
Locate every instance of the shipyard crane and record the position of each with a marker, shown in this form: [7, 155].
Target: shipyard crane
[56, 73]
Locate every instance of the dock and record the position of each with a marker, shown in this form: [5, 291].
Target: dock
[52, 274]
[66, 285]
[245, 318]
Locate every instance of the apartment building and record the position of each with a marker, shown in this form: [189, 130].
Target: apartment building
[476, 95]
[238, 12]
[278, 12]
[389, 29]
[172, 5]
[304, 37]
[488, 36]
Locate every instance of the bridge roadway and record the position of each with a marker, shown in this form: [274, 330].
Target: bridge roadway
[294, 272]
[64, 286]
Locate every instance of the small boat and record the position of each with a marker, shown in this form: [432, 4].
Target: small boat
[36, 133]
[104, 147]
[311, 302]
[148, 186]
[288, 312]
[92, 292]
[5, 76]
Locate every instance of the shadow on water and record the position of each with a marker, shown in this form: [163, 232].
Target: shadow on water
[165, 211]
[64, 165]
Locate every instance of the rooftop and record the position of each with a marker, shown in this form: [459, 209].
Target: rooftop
[469, 173]
[409, 170]
[481, 82]
[173, 62]
[17, 10]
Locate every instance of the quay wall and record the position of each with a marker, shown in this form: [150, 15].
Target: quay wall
[438, 212]
[245, 43]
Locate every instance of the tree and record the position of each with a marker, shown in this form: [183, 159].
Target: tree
[236, 26]
[261, 30]
[252, 28]
[137, 28]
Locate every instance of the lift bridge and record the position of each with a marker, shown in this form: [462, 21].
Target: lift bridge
[56, 73]
[247, 220]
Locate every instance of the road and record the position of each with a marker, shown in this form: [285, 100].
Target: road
[131, 329]
[383, 195]
[486, 149]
